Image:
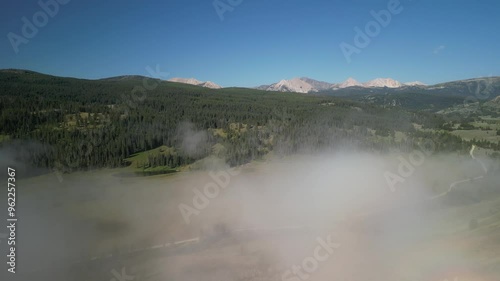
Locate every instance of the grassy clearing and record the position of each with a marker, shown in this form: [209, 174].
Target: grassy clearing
[138, 160]
[143, 156]
[468, 135]
[484, 129]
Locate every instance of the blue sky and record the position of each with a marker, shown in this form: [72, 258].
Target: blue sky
[258, 42]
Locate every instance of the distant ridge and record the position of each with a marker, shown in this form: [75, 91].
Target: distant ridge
[124, 77]
[415, 83]
[486, 88]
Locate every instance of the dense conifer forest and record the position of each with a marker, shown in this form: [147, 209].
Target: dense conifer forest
[74, 124]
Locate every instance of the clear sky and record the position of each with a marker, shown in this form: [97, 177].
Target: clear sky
[258, 42]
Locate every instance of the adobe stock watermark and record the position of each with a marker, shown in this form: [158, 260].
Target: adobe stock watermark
[223, 6]
[372, 29]
[407, 166]
[211, 190]
[123, 276]
[130, 102]
[30, 28]
[309, 265]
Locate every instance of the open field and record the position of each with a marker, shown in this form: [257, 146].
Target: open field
[468, 135]
[485, 129]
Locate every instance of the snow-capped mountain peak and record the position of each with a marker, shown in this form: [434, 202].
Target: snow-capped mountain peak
[298, 85]
[211, 85]
[193, 81]
[383, 82]
[190, 81]
[350, 82]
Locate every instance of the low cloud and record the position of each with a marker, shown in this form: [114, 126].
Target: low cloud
[192, 141]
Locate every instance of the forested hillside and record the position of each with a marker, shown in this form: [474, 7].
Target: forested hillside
[76, 124]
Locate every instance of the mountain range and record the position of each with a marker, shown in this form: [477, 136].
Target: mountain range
[308, 85]
[485, 88]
